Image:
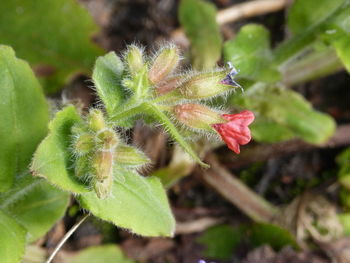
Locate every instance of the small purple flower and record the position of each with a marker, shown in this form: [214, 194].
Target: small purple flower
[228, 80]
[203, 261]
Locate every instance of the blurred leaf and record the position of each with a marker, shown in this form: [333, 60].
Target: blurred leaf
[343, 160]
[97, 254]
[345, 221]
[198, 18]
[307, 20]
[53, 159]
[34, 204]
[12, 239]
[288, 109]
[221, 241]
[276, 236]
[266, 130]
[139, 204]
[107, 75]
[250, 53]
[24, 115]
[51, 33]
[311, 13]
[338, 34]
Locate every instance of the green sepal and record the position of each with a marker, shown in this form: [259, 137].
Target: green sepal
[126, 155]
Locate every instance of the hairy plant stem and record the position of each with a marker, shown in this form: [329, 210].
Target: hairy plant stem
[172, 130]
[65, 238]
[129, 112]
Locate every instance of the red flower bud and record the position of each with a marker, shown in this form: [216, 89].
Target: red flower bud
[235, 132]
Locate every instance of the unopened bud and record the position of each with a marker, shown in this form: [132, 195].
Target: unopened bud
[103, 173]
[103, 188]
[108, 139]
[84, 144]
[168, 85]
[163, 65]
[96, 120]
[204, 85]
[197, 116]
[130, 156]
[102, 163]
[134, 59]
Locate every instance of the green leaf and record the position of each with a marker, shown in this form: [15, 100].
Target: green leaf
[307, 20]
[338, 34]
[53, 33]
[343, 160]
[250, 52]
[198, 18]
[97, 254]
[34, 204]
[139, 204]
[221, 241]
[53, 159]
[345, 221]
[107, 75]
[12, 239]
[267, 130]
[274, 235]
[289, 109]
[24, 116]
[311, 13]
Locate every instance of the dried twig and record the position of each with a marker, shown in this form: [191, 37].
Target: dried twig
[237, 192]
[65, 238]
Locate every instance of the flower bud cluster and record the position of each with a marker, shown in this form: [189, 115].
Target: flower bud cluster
[100, 153]
[182, 95]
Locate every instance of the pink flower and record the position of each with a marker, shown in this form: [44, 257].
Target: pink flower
[235, 132]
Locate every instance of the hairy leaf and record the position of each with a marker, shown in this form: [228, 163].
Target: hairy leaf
[198, 18]
[139, 204]
[53, 35]
[250, 52]
[24, 116]
[12, 239]
[53, 159]
[35, 204]
[107, 75]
